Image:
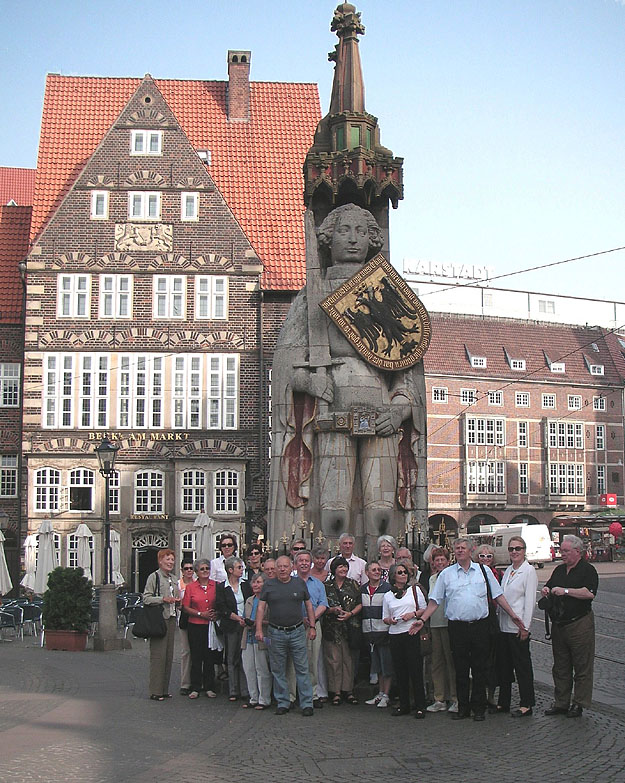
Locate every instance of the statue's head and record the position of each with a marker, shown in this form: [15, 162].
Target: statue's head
[349, 235]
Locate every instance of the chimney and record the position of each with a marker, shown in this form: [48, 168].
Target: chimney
[239, 85]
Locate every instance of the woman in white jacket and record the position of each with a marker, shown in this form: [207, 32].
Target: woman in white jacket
[519, 585]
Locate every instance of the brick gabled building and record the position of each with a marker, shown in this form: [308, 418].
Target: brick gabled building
[525, 421]
[166, 239]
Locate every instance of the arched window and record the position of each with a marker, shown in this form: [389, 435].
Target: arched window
[47, 489]
[149, 492]
[226, 492]
[193, 491]
[72, 551]
[81, 482]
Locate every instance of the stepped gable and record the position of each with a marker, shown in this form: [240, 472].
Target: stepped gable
[255, 164]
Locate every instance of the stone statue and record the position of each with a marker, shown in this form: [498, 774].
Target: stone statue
[348, 446]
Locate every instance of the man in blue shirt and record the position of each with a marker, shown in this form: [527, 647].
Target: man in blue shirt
[319, 600]
[462, 587]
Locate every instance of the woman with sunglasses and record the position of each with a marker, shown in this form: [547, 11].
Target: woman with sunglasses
[227, 548]
[254, 555]
[199, 604]
[486, 558]
[230, 605]
[187, 576]
[519, 586]
[401, 606]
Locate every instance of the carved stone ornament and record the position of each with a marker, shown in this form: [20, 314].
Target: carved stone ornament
[381, 316]
[154, 237]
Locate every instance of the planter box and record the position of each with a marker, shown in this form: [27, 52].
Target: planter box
[74, 641]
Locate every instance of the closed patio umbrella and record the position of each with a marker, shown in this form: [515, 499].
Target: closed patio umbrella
[84, 549]
[5, 580]
[203, 535]
[46, 560]
[116, 575]
[30, 560]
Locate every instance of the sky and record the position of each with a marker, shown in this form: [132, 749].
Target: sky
[509, 114]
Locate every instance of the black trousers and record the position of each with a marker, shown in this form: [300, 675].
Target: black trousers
[407, 669]
[513, 658]
[202, 658]
[470, 648]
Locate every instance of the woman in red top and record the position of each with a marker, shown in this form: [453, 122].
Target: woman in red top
[199, 604]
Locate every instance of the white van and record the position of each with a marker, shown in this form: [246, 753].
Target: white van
[536, 537]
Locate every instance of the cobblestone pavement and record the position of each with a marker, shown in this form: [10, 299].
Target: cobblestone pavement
[74, 717]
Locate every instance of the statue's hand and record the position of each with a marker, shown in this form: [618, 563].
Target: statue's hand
[389, 419]
[313, 383]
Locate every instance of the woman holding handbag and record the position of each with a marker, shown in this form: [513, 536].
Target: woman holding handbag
[401, 606]
[199, 605]
[161, 588]
[230, 603]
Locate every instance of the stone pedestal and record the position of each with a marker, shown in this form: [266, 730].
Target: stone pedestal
[107, 637]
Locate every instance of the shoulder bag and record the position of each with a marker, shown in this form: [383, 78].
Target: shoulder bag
[149, 620]
[493, 620]
[425, 635]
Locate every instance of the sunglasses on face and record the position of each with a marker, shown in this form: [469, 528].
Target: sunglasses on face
[204, 568]
[401, 572]
[298, 549]
[485, 556]
[516, 548]
[226, 544]
[188, 568]
[254, 552]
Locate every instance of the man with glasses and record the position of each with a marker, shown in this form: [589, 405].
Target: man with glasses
[227, 548]
[462, 587]
[575, 584]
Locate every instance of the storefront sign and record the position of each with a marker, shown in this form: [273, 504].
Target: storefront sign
[167, 436]
[437, 269]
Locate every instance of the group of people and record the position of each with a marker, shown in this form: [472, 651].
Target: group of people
[295, 627]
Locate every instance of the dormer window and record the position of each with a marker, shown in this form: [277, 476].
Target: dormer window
[478, 361]
[517, 364]
[558, 367]
[596, 369]
[146, 142]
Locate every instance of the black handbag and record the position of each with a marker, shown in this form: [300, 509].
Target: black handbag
[149, 621]
[493, 620]
[425, 634]
[553, 607]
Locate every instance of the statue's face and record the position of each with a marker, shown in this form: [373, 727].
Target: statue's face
[350, 242]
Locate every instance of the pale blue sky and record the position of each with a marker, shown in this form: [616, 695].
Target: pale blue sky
[509, 114]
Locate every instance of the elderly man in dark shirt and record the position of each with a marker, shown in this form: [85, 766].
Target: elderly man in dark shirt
[287, 634]
[575, 583]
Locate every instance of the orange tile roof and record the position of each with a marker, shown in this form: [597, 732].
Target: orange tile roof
[14, 231]
[16, 184]
[492, 337]
[257, 165]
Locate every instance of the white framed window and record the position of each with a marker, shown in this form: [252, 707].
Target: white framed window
[140, 391]
[8, 475]
[566, 478]
[598, 403]
[566, 434]
[523, 478]
[226, 489]
[495, 398]
[115, 296]
[73, 296]
[187, 397]
[468, 396]
[574, 402]
[522, 429]
[600, 437]
[522, 399]
[81, 489]
[193, 491]
[223, 391]
[601, 485]
[99, 205]
[93, 391]
[517, 364]
[144, 205]
[169, 296]
[596, 369]
[211, 297]
[189, 206]
[547, 306]
[486, 432]
[486, 478]
[187, 545]
[72, 550]
[549, 401]
[478, 361]
[58, 406]
[9, 384]
[149, 492]
[146, 142]
[557, 367]
[47, 489]
[114, 492]
[440, 394]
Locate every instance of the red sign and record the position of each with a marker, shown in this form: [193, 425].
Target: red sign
[608, 499]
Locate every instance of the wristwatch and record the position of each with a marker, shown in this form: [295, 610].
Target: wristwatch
[566, 591]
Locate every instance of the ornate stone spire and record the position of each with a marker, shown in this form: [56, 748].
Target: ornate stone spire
[347, 163]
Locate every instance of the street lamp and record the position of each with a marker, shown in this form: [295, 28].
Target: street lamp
[107, 637]
[250, 508]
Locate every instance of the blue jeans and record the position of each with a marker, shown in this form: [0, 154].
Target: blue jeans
[283, 644]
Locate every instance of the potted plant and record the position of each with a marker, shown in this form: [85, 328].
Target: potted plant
[67, 609]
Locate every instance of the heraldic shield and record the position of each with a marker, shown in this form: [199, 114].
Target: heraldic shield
[381, 316]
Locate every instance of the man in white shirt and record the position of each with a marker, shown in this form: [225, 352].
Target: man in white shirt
[356, 564]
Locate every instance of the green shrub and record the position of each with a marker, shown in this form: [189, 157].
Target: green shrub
[67, 601]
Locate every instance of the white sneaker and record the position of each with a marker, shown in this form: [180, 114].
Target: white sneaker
[383, 701]
[438, 706]
[453, 707]
[374, 701]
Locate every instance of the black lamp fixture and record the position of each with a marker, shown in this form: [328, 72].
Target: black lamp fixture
[107, 453]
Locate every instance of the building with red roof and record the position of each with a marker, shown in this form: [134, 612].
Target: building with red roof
[16, 186]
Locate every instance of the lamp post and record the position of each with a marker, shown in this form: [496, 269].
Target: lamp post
[107, 637]
[250, 508]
